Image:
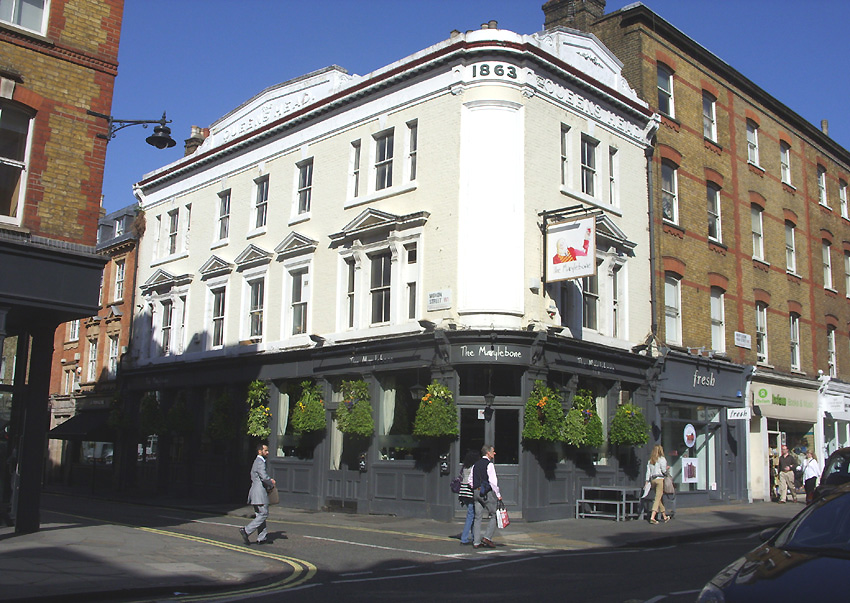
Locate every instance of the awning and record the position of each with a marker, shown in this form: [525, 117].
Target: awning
[87, 425]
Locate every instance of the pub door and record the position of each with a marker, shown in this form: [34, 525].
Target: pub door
[345, 483]
[502, 431]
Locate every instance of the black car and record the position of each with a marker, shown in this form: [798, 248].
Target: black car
[807, 559]
[836, 471]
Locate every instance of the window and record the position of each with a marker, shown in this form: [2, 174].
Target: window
[665, 90]
[119, 281]
[165, 329]
[384, 160]
[590, 302]
[74, 330]
[613, 166]
[173, 223]
[827, 264]
[669, 192]
[847, 273]
[100, 291]
[112, 366]
[410, 251]
[709, 118]
[761, 332]
[92, 372]
[119, 223]
[794, 339]
[565, 155]
[261, 202]
[305, 186]
[790, 248]
[713, 198]
[830, 351]
[842, 198]
[412, 148]
[299, 301]
[223, 215]
[588, 166]
[758, 232]
[822, 198]
[256, 294]
[349, 295]
[218, 299]
[381, 274]
[718, 323]
[28, 14]
[672, 305]
[752, 142]
[615, 301]
[785, 162]
[14, 135]
[355, 168]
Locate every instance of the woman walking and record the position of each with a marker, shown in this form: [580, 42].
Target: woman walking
[811, 473]
[656, 469]
[465, 495]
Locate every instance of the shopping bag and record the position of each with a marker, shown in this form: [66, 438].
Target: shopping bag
[502, 519]
[669, 487]
[274, 496]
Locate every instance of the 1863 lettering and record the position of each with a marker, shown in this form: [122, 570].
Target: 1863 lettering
[499, 70]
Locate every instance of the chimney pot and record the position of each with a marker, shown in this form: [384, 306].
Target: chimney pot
[824, 126]
[493, 24]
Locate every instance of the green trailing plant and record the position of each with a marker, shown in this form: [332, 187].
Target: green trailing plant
[308, 414]
[436, 416]
[583, 424]
[354, 413]
[224, 420]
[544, 416]
[118, 419]
[259, 414]
[629, 427]
[151, 418]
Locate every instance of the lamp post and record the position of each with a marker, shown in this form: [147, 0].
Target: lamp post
[161, 137]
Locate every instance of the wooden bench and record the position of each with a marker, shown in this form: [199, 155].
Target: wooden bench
[612, 502]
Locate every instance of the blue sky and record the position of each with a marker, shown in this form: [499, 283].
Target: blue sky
[199, 59]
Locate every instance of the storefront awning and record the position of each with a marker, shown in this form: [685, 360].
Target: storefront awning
[89, 426]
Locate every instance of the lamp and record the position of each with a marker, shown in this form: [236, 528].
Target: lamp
[417, 392]
[663, 409]
[161, 137]
[489, 398]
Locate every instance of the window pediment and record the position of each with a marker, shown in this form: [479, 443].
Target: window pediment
[295, 244]
[373, 222]
[607, 230]
[162, 280]
[252, 256]
[215, 266]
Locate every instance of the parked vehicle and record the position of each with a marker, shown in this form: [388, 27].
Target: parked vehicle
[807, 559]
[836, 471]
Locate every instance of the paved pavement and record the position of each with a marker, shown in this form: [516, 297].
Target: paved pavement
[85, 560]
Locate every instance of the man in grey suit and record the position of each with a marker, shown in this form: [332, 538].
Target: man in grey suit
[258, 497]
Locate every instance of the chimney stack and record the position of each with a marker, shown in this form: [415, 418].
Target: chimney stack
[824, 126]
[575, 14]
[196, 139]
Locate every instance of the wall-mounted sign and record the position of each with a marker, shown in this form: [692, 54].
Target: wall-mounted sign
[571, 249]
[738, 413]
[690, 470]
[488, 352]
[743, 340]
[439, 300]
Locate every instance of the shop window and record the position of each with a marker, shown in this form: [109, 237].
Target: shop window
[290, 444]
[478, 380]
[396, 410]
[694, 468]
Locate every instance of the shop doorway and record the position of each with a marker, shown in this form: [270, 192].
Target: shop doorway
[345, 479]
[503, 432]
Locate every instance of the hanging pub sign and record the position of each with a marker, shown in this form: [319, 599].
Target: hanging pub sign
[571, 249]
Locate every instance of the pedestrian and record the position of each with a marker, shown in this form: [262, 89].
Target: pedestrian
[485, 492]
[811, 473]
[465, 495]
[259, 497]
[656, 469]
[787, 465]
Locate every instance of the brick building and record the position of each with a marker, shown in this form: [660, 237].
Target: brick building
[751, 251]
[58, 60]
[87, 355]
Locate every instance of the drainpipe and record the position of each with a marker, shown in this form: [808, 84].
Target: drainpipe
[649, 151]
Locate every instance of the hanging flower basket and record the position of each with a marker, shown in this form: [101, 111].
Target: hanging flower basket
[308, 414]
[354, 414]
[583, 424]
[151, 417]
[437, 414]
[544, 415]
[629, 427]
[259, 413]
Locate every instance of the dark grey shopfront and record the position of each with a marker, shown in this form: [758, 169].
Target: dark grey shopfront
[395, 473]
